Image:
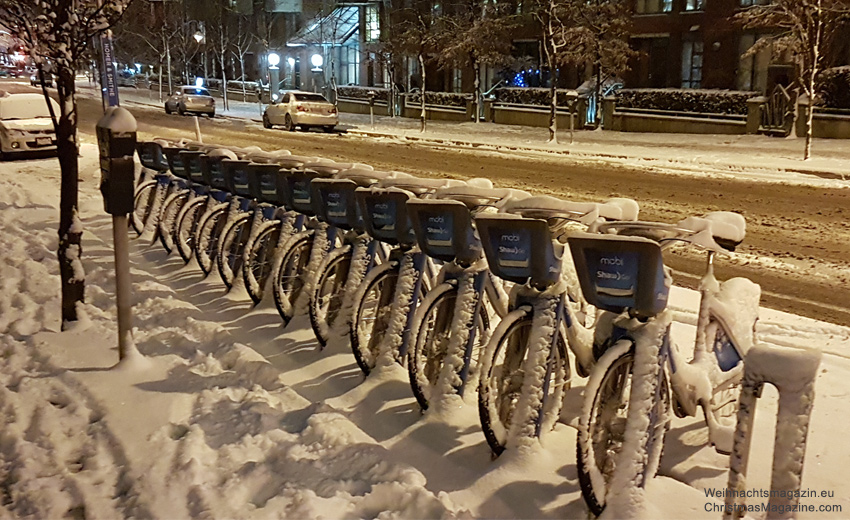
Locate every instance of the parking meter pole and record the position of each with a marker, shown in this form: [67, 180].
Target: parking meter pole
[372, 95]
[123, 288]
[116, 139]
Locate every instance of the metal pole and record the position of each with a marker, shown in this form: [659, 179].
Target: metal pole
[123, 289]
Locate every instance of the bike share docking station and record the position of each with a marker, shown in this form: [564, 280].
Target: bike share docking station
[793, 373]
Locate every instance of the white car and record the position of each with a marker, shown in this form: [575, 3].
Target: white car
[304, 109]
[191, 99]
[25, 123]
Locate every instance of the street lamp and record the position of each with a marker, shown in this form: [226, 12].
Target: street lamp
[317, 62]
[274, 76]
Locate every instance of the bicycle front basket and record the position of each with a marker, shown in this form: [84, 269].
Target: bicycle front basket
[213, 172]
[237, 177]
[444, 230]
[192, 165]
[621, 272]
[264, 183]
[174, 163]
[334, 202]
[151, 156]
[385, 215]
[520, 249]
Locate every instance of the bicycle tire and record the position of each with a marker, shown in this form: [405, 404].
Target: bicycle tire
[168, 218]
[380, 282]
[612, 373]
[207, 238]
[287, 277]
[428, 353]
[329, 292]
[501, 383]
[187, 226]
[142, 205]
[231, 248]
[258, 263]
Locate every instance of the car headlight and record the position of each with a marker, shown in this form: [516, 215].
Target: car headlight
[18, 133]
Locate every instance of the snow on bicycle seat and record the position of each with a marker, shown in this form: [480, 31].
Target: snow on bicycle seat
[223, 153]
[417, 185]
[619, 209]
[727, 229]
[547, 206]
[364, 178]
[473, 196]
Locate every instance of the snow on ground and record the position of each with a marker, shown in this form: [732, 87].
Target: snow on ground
[232, 416]
[753, 157]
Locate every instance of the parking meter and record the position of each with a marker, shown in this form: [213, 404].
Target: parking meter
[372, 94]
[116, 139]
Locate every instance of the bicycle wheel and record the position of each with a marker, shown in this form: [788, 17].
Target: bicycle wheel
[259, 259]
[372, 313]
[231, 248]
[288, 280]
[326, 300]
[432, 326]
[603, 425]
[187, 225]
[142, 206]
[503, 376]
[207, 237]
[168, 218]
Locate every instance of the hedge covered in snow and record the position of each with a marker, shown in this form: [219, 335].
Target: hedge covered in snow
[703, 101]
[356, 92]
[529, 96]
[834, 87]
[447, 99]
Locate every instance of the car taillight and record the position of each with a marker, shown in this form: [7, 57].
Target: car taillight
[333, 110]
[300, 108]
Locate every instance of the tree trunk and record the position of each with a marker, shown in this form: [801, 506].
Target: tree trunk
[70, 228]
[422, 113]
[168, 59]
[476, 115]
[242, 71]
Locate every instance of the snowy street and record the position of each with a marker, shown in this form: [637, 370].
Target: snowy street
[231, 416]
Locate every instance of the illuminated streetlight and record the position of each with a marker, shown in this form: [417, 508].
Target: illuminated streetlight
[199, 82]
[317, 61]
[291, 61]
[274, 60]
[199, 36]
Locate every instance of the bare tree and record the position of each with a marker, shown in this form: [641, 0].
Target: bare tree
[419, 35]
[477, 33]
[802, 29]
[61, 31]
[242, 39]
[583, 33]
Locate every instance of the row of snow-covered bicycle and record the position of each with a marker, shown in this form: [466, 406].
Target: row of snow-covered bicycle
[471, 288]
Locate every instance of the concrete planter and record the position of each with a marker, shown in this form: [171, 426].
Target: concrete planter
[360, 106]
[662, 121]
[533, 115]
[825, 125]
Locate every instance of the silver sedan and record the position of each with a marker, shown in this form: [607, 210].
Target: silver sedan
[189, 99]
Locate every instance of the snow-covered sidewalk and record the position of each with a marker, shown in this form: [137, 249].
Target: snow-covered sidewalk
[231, 416]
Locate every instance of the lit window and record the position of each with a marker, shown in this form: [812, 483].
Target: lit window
[694, 5]
[373, 24]
[654, 6]
[691, 64]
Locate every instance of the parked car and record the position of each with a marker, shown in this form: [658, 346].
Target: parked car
[25, 123]
[304, 109]
[191, 99]
[48, 80]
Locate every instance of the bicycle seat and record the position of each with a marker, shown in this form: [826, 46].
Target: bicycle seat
[295, 185]
[728, 229]
[264, 184]
[619, 209]
[295, 162]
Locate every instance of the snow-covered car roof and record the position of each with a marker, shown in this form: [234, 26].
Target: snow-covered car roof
[25, 106]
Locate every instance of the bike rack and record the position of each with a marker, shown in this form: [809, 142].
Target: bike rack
[793, 373]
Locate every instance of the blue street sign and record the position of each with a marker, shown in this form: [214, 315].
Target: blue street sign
[110, 85]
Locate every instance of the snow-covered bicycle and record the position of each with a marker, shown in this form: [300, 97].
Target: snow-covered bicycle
[452, 323]
[525, 368]
[642, 373]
